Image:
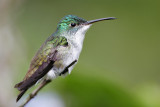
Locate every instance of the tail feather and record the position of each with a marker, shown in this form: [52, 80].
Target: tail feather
[18, 85]
[20, 95]
[21, 91]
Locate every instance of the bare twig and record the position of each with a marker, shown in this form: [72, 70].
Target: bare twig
[34, 93]
[66, 69]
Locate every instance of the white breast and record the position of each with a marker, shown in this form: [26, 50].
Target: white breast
[75, 42]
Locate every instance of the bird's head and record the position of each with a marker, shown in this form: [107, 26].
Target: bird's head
[72, 24]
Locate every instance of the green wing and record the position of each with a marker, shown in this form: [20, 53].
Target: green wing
[41, 64]
[44, 52]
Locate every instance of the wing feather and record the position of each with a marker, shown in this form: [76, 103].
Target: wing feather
[42, 62]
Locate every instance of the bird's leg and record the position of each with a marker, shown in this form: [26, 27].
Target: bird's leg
[66, 69]
[34, 93]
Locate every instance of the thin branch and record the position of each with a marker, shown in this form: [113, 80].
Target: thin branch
[66, 69]
[34, 93]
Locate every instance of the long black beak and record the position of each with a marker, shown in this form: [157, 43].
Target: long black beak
[97, 20]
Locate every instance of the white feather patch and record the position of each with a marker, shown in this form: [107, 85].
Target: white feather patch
[76, 43]
[51, 74]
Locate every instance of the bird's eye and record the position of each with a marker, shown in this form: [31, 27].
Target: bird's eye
[73, 24]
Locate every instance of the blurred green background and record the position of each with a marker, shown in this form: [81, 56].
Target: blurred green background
[119, 63]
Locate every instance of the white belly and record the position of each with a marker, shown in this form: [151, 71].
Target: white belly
[67, 58]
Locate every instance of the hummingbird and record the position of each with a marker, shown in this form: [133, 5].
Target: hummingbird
[58, 54]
